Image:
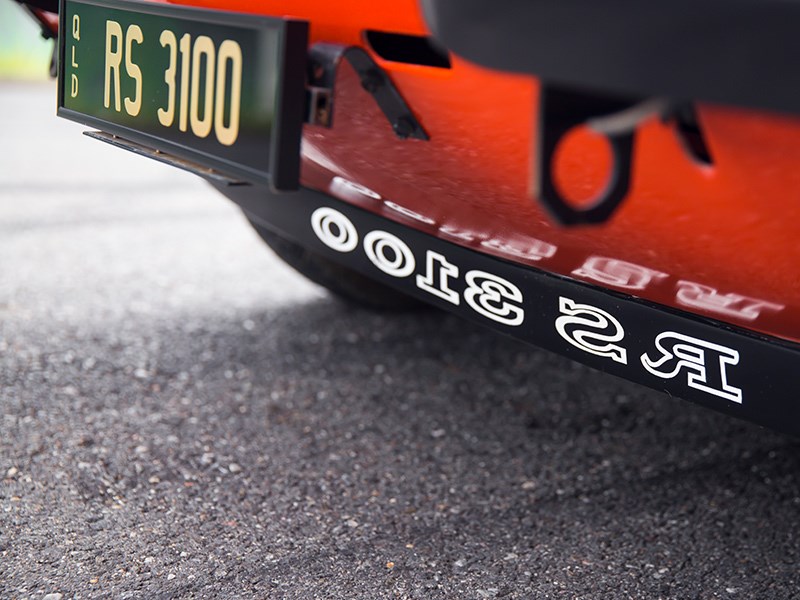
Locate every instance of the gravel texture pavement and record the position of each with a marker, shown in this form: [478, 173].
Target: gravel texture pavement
[185, 417]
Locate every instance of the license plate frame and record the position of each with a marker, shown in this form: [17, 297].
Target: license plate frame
[103, 93]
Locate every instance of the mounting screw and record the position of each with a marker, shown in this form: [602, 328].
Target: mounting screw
[317, 71]
[372, 81]
[403, 127]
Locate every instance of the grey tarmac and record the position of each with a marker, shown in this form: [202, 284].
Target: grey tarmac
[185, 417]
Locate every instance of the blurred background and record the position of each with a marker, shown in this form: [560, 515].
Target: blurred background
[24, 54]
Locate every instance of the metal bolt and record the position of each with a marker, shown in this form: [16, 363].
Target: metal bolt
[372, 81]
[318, 71]
[403, 127]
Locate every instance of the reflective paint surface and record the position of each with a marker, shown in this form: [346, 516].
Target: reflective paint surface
[718, 241]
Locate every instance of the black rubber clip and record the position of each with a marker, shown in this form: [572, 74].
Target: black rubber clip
[560, 110]
[323, 62]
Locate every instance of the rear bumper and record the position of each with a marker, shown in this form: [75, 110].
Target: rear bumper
[704, 361]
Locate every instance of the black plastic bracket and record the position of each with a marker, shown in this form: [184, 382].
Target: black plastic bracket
[560, 110]
[323, 63]
[207, 173]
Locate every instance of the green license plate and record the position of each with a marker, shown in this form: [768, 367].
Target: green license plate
[220, 89]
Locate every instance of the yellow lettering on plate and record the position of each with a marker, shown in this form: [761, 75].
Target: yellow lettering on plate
[167, 115]
[229, 52]
[133, 105]
[76, 35]
[201, 126]
[113, 62]
[183, 112]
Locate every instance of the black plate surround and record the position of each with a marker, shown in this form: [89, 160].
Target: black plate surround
[281, 170]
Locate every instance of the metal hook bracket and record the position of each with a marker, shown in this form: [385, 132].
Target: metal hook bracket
[324, 60]
[560, 110]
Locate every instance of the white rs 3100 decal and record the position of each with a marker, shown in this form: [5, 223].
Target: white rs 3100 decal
[334, 230]
[603, 330]
[487, 294]
[389, 253]
[438, 272]
[703, 364]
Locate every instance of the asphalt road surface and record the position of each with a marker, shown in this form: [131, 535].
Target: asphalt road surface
[183, 416]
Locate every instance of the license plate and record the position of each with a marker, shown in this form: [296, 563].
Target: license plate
[224, 90]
